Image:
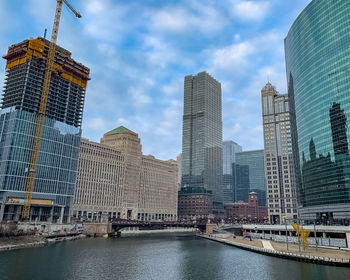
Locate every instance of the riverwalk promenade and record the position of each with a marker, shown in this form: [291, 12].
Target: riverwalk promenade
[323, 255]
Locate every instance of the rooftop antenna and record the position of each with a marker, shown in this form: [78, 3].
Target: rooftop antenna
[45, 33]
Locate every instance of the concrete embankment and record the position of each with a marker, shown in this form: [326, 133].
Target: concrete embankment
[283, 254]
[20, 242]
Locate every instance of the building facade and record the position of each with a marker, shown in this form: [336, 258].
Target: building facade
[115, 181]
[58, 155]
[202, 138]
[318, 87]
[247, 212]
[250, 175]
[279, 171]
[195, 203]
[229, 150]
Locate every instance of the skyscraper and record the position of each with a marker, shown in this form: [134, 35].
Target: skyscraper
[250, 175]
[202, 140]
[229, 150]
[59, 149]
[279, 172]
[318, 86]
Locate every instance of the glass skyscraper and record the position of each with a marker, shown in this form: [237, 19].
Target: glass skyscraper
[250, 175]
[318, 70]
[229, 150]
[202, 138]
[59, 149]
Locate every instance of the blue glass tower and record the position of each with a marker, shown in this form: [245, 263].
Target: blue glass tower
[318, 69]
[229, 150]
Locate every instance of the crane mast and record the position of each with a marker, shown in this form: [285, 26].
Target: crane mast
[50, 61]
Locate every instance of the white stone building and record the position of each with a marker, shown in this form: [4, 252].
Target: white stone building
[116, 181]
[279, 172]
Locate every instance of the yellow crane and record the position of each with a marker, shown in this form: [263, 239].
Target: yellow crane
[42, 108]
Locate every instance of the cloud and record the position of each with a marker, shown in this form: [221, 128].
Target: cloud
[250, 10]
[242, 58]
[171, 119]
[98, 124]
[185, 18]
[139, 98]
[175, 87]
[235, 55]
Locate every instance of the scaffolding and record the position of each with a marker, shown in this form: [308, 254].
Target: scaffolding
[25, 70]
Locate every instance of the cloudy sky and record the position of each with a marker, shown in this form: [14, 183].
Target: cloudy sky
[140, 50]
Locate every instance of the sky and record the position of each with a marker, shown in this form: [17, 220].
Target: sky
[140, 50]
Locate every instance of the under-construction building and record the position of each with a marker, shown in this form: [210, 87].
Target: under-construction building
[59, 149]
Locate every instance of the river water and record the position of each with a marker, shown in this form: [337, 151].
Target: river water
[154, 258]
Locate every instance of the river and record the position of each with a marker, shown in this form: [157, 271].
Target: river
[158, 258]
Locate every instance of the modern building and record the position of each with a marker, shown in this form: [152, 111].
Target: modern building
[317, 68]
[116, 181]
[250, 175]
[58, 155]
[202, 140]
[179, 174]
[229, 150]
[279, 171]
[247, 212]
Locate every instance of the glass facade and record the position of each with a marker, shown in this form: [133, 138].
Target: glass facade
[250, 175]
[57, 164]
[229, 150]
[202, 136]
[318, 72]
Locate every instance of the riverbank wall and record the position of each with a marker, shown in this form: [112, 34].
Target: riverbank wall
[281, 254]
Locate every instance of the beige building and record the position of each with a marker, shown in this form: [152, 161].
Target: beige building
[116, 181]
[279, 174]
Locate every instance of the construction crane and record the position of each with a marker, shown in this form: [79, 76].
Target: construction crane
[50, 61]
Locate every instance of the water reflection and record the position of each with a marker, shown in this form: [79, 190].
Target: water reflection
[184, 258]
[325, 181]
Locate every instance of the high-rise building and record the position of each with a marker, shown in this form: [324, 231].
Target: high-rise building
[279, 172]
[179, 174]
[250, 175]
[202, 141]
[229, 150]
[318, 88]
[116, 181]
[58, 156]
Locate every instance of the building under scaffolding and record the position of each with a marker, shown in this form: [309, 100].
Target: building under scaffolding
[59, 149]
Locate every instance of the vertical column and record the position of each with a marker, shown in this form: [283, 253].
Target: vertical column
[49, 220]
[61, 216]
[2, 209]
[40, 213]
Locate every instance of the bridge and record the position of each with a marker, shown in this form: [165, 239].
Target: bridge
[118, 224]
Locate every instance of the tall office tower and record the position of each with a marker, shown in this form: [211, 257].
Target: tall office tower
[179, 175]
[229, 150]
[58, 155]
[279, 172]
[202, 145]
[250, 175]
[318, 87]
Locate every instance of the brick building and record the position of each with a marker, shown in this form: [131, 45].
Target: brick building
[250, 212]
[194, 203]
